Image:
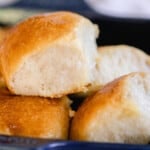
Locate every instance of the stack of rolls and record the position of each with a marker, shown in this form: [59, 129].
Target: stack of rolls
[114, 61]
[43, 59]
[116, 109]
[47, 57]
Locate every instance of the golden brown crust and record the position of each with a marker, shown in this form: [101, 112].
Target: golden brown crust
[32, 35]
[92, 104]
[3, 33]
[34, 116]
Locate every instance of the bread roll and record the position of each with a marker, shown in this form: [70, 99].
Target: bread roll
[119, 112]
[50, 55]
[34, 116]
[115, 61]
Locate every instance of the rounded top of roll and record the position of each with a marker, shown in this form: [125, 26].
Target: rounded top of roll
[117, 113]
[35, 33]
[40, 29]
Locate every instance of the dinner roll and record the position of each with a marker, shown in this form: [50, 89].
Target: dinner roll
[50, 55]
[119, 112]
[115, 61]
[34, 116]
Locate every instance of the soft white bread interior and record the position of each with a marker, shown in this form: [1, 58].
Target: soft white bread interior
[119, 112]
[34, 116]
[50, 55]
[115, 61]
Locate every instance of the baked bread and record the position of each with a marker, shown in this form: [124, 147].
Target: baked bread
[50, 55]
[119, 112]
[34, 116]
[115, 61]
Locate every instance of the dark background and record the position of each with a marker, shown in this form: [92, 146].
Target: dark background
[135, 32]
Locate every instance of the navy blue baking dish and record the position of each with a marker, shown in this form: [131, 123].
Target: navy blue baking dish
[23, 143]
